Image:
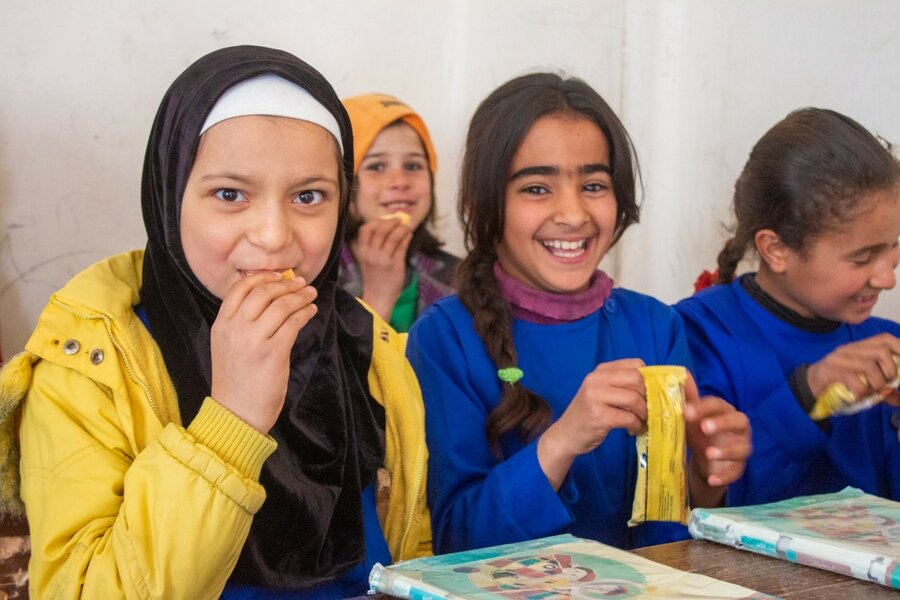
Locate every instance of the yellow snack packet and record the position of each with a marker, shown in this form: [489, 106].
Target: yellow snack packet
[661, 492]
[399, 215]
[837, 399]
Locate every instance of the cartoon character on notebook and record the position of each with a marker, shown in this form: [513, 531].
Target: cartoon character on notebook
[554, 577]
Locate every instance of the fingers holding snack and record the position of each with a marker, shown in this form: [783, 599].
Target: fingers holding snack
[855, 376]
[387, 237]
[251, 341]
[380, 251]
[611, 397]
[864, 366]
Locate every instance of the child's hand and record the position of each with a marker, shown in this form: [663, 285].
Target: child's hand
[719, 438]
[251, 343]
[380, 249]
[865, 367]
[611, 397]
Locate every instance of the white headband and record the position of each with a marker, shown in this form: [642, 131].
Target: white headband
[274, 96]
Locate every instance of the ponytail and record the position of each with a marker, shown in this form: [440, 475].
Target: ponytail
[729, 258]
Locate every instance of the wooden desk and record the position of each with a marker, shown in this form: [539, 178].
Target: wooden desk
[764, 574]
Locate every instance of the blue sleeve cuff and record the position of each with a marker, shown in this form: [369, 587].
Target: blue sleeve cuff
[532, 503]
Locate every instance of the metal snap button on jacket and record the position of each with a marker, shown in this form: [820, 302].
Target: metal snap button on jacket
[71, 346]
[96, 356]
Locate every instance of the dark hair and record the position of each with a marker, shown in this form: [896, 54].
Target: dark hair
[423, 240]
[808, 173]
[498, 128]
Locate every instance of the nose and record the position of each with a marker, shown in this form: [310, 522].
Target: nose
[398, 178]
[884, 276]
[570, 209]
[270, 227]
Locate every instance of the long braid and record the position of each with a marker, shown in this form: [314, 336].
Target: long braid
[520, 409]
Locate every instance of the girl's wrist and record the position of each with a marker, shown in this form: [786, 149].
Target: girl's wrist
[554, 457]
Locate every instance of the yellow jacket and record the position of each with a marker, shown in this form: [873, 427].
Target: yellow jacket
[122, 501]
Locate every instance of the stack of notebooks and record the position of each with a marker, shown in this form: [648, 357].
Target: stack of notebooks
[848, 532]
[553, 568]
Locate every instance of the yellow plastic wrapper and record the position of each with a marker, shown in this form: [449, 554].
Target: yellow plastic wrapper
[837, 399]
[661, 493]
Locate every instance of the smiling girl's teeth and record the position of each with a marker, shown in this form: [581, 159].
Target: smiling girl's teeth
[565, 248]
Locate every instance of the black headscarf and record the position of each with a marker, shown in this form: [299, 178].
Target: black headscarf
[330, 432]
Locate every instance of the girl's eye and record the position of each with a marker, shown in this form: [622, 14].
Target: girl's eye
[309, 197]
[595, 187]
[413, 166]
[375, 166]
[229, 195]
[536, 190]
[863, 260]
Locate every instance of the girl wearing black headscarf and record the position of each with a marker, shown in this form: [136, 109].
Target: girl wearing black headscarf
[214, 413]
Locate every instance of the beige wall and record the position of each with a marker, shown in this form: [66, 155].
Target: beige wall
[696, 83]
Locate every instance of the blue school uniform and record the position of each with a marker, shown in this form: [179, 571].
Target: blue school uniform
[478, 500]
[745, 354]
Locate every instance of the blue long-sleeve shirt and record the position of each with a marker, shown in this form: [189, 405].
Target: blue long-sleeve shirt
[746, 355]
[477, 500]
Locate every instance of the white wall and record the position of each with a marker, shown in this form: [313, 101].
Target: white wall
[696, 83]
[704, 79]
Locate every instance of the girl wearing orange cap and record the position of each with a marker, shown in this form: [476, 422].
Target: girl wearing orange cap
[390, 259]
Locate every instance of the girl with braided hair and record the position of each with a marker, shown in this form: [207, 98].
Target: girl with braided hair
[819, 202]
[530, 373]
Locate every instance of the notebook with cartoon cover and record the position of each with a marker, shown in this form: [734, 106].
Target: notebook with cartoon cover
[848, 532]
[552, 568]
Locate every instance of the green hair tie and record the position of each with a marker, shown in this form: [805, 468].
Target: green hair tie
[510, 374]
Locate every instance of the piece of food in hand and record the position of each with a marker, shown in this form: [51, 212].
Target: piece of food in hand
[399, 215]
[661, 492]
[837, 399]
[288, 274]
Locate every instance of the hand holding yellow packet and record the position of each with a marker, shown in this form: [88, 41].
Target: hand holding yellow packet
[661, 493]
[837, 399]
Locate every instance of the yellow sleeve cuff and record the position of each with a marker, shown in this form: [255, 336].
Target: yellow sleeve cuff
[236, 442]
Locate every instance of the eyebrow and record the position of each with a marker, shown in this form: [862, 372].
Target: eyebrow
[866, 250]
[383, 154]
[250, 181]
[554, 170]
[227, 175]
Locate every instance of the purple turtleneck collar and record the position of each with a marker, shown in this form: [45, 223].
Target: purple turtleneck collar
[548, 308]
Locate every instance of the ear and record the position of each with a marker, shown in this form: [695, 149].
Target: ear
[772, 250]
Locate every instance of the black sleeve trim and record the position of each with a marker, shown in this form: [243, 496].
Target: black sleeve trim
[805, 398]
